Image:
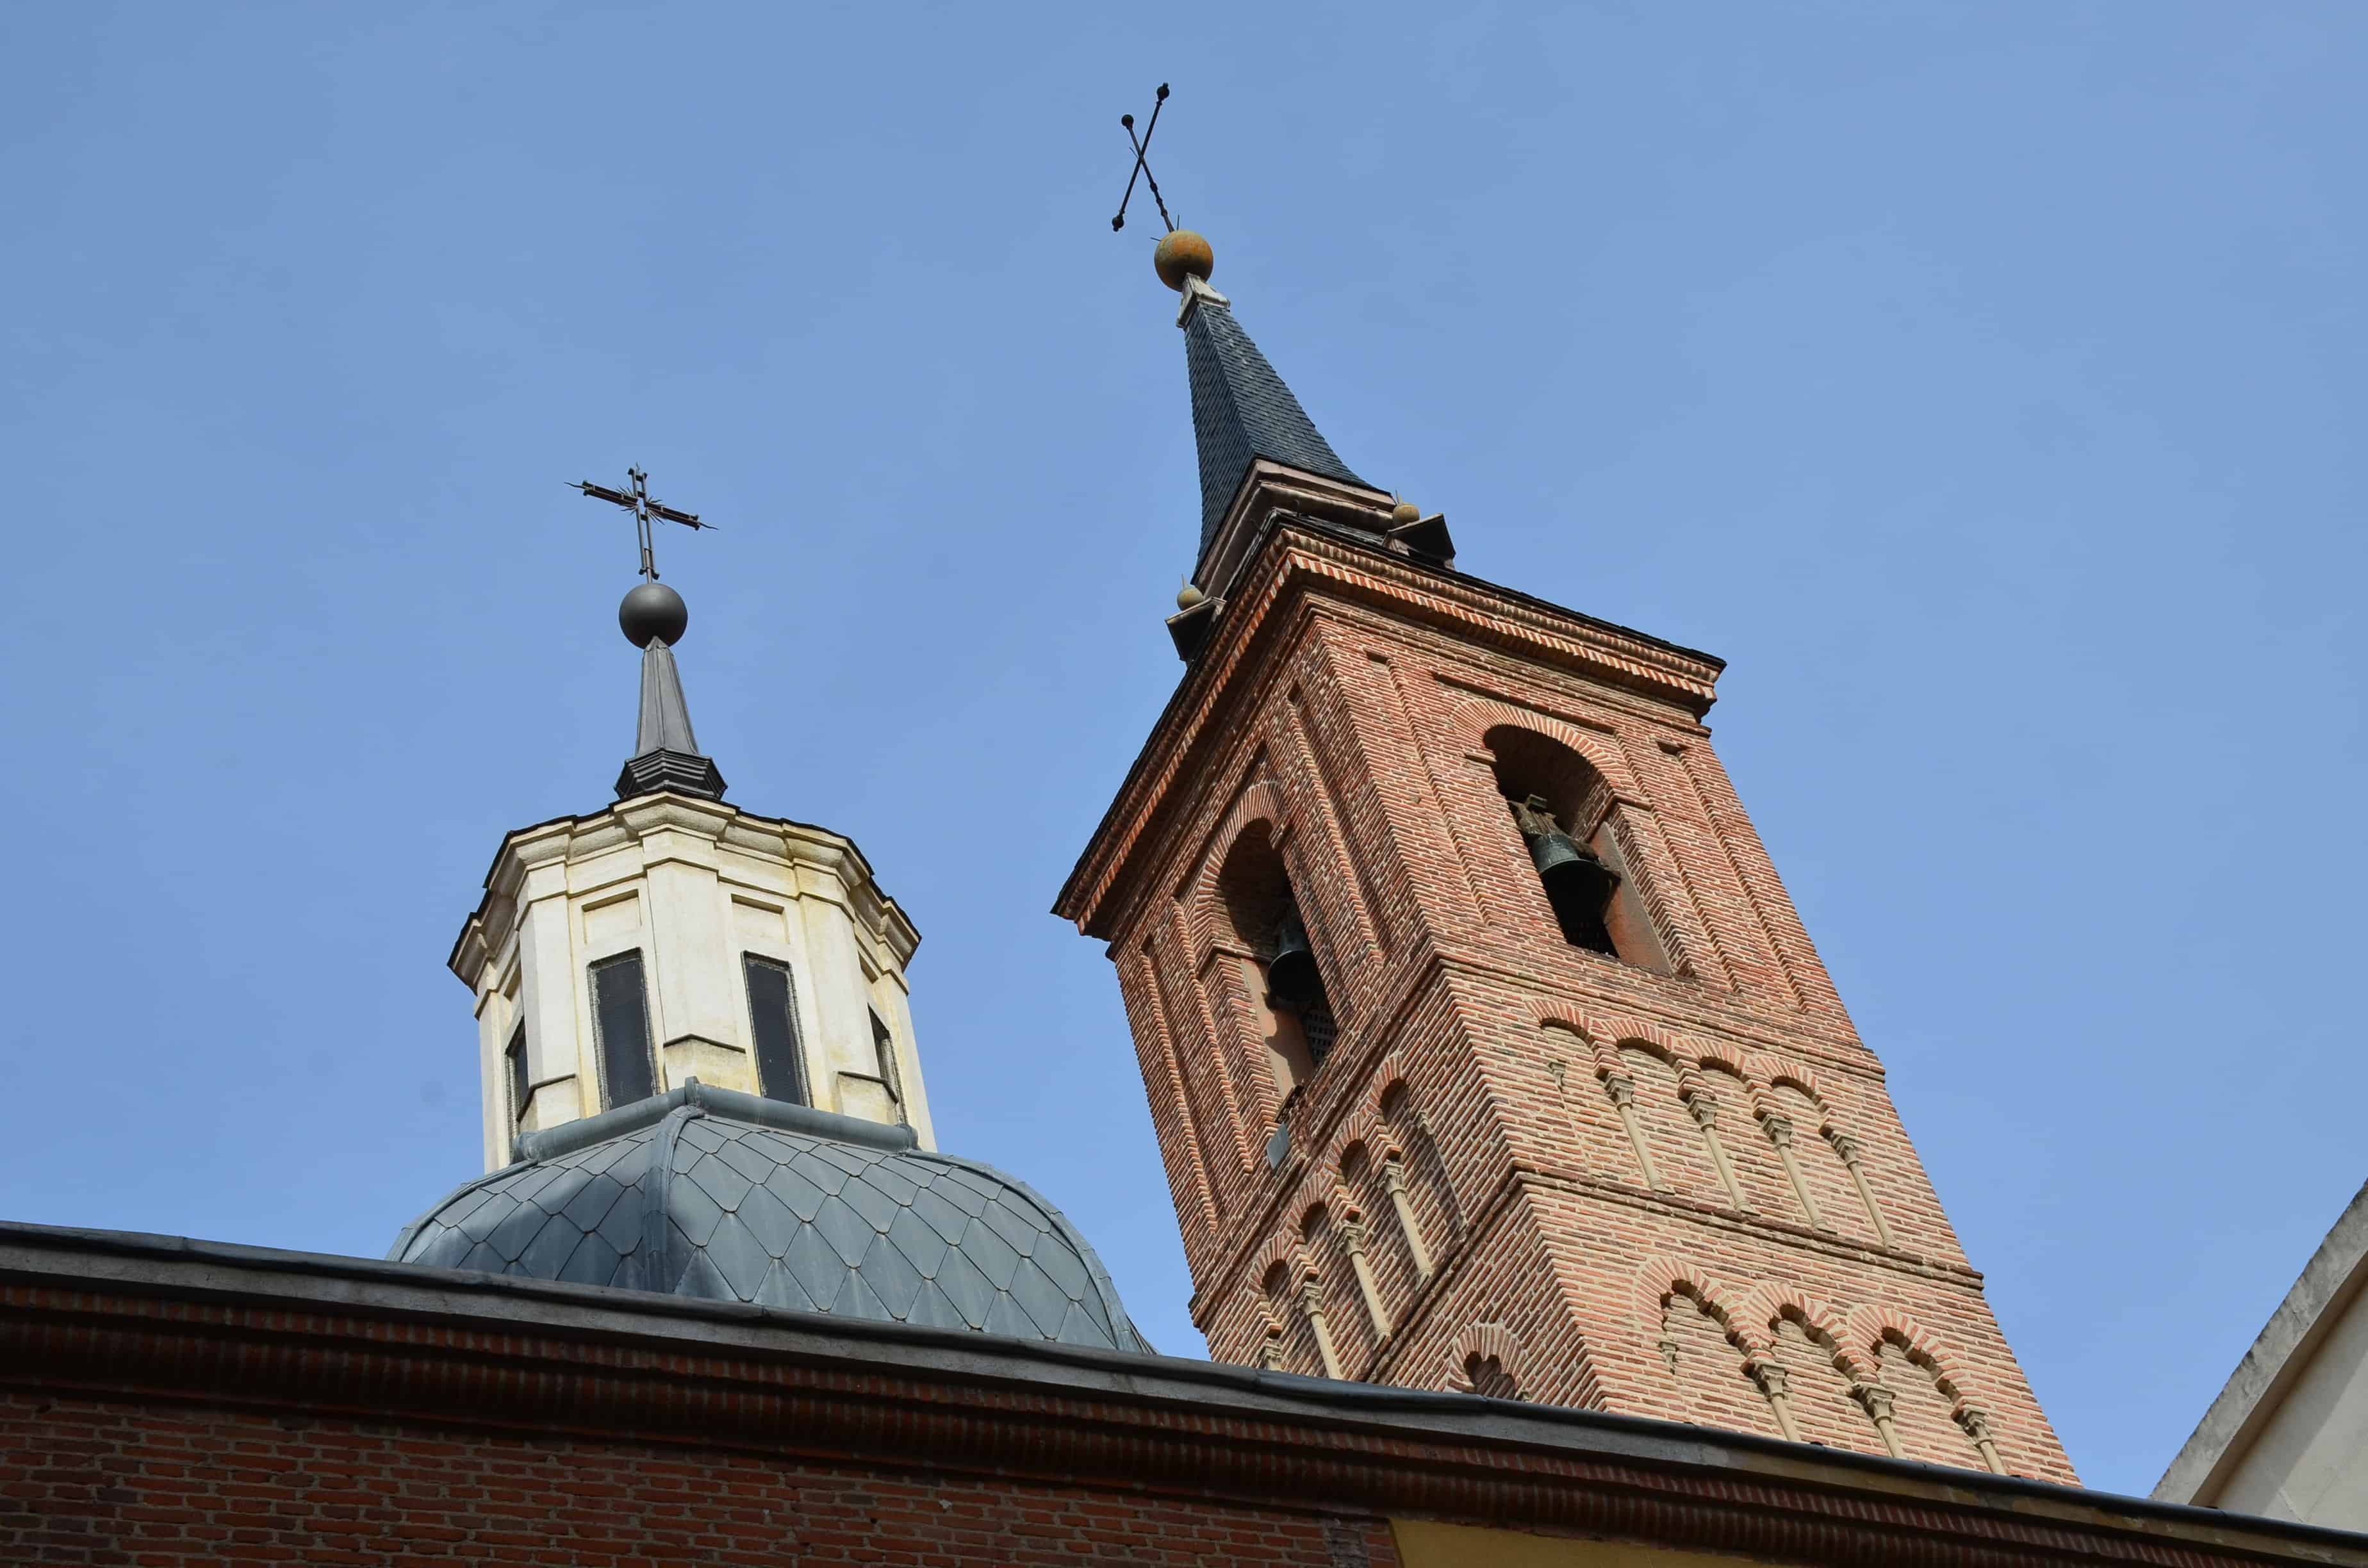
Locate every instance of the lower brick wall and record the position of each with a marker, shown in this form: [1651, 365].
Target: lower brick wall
[87, 1480]
[167, 1403]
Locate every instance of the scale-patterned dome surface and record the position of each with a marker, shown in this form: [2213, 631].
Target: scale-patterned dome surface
[696, 1202]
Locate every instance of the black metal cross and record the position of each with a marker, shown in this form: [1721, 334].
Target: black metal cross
[637, 501]
[1142, 152]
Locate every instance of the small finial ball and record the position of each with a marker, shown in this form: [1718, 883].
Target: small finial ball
[652, 611]
[1404, 512]
[1189, 595]
[1182, 253]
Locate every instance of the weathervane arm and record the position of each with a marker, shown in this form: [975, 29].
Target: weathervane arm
[1142, 167]
[688, 520]
[1141, 155]
[602, 493]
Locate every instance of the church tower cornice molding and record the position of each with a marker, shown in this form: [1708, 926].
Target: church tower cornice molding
[1294, 560]
[708, 834]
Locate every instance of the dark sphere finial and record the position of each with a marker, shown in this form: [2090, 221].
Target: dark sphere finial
[653, 612]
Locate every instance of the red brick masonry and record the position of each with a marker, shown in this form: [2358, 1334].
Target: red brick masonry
[167, 1402]
[1674, 1185]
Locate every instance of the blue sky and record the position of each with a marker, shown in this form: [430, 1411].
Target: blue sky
[1983, 382]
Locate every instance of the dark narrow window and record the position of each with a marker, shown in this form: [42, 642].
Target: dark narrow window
[514, 1060]
[883, 1046]
[773, 1019]
[621, 1025]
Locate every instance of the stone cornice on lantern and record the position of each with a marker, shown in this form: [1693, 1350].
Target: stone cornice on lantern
[1288, 558]
[551, 857]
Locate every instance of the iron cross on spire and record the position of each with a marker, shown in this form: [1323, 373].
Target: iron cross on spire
[1142, 152]
[637, 501]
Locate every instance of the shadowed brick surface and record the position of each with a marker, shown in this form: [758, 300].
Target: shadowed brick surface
[94, 1482]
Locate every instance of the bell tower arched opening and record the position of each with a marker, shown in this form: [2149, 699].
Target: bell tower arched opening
[1563, 810]
[1292, 1008]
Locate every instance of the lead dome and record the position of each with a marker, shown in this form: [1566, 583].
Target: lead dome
[719, 1195]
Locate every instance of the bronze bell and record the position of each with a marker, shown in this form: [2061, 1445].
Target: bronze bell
[1562, 862]
[1578, 885]
[1291, 977]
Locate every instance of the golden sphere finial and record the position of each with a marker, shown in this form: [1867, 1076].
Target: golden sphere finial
[1404, 513]
[1189, 595]
[1182, 253]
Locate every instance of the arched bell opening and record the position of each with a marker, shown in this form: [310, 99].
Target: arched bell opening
[1563, 810]
[1284, 982]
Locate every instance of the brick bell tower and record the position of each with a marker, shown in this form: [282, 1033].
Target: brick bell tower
[1484, 1049]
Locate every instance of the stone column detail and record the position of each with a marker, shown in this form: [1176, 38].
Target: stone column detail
[1876, 1401]
[1620, 1090]
[1352, 1233]
[1847, 1147]
[1393, 1178]
[1780, 1132]
[1771, 1378]
[1310, 1302]
[1705, 1106]
[1977, 1427]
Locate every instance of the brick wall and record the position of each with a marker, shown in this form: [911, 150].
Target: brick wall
[1343, 711]
[167, 1402]
[87, 1480]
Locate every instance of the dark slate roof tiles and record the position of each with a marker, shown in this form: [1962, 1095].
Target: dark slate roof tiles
[788, 1220]
[1242, 411]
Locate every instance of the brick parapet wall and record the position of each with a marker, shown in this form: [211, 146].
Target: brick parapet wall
[168, 1403]
[119, 1481]
[1345, 717]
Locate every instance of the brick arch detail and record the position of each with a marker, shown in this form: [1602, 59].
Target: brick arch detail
[1660, 1277]
[1769, 1299]
[1768, 1069]
[1261, 801]
[1365, 1128]
[1284, 1249]
[1736, 1062]
[1476, 715]
[1605, 1036]
[1560, 1017]
[1344, 1203]
[1870, 1325]
[1671, 1046]
[1318, 1212]
[1489, 1341]
[1388, 1073]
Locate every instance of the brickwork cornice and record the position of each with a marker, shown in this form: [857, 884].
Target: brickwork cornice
[1348, 1083]
[1521, 1177]
[1299, 557]
[134, 1322]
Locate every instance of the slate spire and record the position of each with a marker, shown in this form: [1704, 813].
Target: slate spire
[666, 751]
[1241, 409]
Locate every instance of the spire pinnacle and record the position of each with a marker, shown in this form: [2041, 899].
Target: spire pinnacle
[666, 749]
[1242, 410]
